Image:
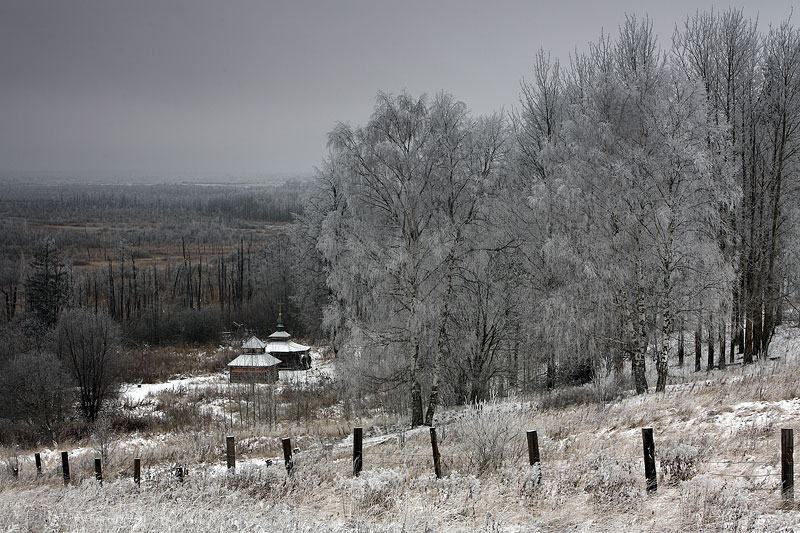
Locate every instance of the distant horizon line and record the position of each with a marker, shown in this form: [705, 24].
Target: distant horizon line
[150, 177]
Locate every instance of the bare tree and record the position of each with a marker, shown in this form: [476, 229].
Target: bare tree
[88, 345]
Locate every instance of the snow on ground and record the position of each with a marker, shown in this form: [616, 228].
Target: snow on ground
[757, 414]
[347, 442]
[136, 393]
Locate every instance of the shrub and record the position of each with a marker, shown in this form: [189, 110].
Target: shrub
[197, 325]
[487, 428]
[724, 503]
[611, 482]
[373, 490]
[601, 390]
[678, 463]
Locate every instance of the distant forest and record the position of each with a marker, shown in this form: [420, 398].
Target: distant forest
[170, 262]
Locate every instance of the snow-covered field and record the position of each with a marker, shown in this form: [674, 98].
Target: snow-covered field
[717, 438]
[137, 393]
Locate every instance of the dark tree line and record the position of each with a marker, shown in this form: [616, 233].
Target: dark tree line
[86, 203]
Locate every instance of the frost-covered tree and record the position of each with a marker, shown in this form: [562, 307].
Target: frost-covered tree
[751, 81]
[318, 236]
[411, 181]
[629, 188]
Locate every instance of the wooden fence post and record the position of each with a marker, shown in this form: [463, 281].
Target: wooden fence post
[287, 454]
[649, 459]
[38, 458]
[358, 450]
[137, 470]
[98, 470]
[65, 466]
[533, 451]
[787, 463]
[437, 465]
[230, 451]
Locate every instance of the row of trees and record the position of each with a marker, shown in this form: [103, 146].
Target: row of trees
[634, 194]
[127, 203]
[190, 300]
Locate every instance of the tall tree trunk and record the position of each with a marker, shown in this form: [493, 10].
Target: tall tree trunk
[550, 377]
[735, 327]
[698, 344]
[416, 388]
[662, 364]
[736, 320]
[513, 374]
[640, 354]
[721, 338]
[433, 400]
[758, 324]
[711, 339]
[748, 331]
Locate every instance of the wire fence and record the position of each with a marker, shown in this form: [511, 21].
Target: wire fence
[763, 476]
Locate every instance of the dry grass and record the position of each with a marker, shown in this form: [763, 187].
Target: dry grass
[717, 449]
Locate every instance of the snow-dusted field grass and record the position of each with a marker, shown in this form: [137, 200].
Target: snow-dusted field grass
[717, 438]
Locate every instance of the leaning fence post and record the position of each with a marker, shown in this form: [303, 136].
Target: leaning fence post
[533, 451]
[98, 470]
[358, 450]
[287, 454]
[137, 470]
[38, 459]
[65, 466]
[437, 465]
[649, 459]
[787, 463]
[230, 451]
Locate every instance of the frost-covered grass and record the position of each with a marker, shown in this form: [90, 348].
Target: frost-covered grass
[717, 438]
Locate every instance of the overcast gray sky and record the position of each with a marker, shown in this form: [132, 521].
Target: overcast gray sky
[164, 87]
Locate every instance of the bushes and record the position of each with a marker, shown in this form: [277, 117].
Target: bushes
[678, 463]
[35, 390]
[489, 432]
[706, 500]
[600, 391]
[611, 482]
[148, 365]
[197, 325]
[178, 325]
[373, 490]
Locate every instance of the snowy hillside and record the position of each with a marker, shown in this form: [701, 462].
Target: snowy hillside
[717, 440]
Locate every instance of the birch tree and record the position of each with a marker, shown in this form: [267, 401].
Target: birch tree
[632, 186]
[412, 178]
